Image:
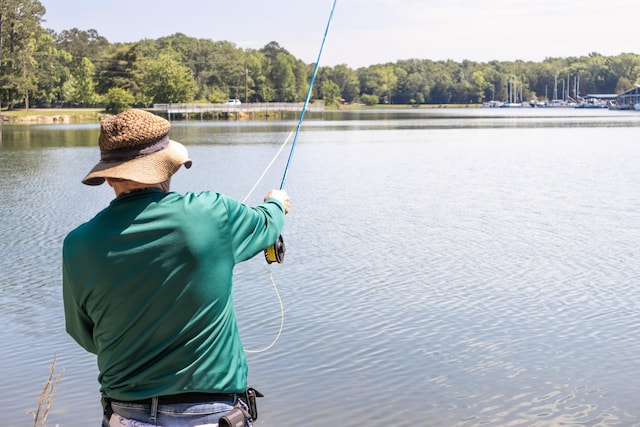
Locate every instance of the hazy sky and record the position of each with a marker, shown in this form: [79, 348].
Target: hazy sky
[367, 32]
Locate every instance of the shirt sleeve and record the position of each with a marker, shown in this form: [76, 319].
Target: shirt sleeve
[78, 323]
[253, 229]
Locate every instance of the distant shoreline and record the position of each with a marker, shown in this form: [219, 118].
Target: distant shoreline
[39, 116]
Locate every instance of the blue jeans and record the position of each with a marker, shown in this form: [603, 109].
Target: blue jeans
[174, 415]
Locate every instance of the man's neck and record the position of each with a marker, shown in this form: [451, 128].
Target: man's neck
[123, 187]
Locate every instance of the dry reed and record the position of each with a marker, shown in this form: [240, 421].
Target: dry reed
[46, 397]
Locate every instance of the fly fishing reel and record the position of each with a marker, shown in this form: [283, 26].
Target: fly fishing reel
[275, 252]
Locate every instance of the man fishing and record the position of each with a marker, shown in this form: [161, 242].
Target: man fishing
[147, 283]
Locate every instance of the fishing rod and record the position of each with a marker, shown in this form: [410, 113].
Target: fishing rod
[275, 252]
[306, 102]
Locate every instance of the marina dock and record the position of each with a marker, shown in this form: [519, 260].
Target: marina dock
[233, 111]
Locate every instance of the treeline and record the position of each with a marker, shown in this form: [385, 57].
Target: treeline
[42, 68]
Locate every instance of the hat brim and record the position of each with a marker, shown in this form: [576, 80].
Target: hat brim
[149, 169]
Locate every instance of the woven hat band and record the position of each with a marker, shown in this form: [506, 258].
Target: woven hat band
[129, 153]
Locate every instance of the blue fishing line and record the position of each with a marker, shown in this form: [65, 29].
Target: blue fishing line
[306, 102]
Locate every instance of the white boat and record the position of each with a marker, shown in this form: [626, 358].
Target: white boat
[594, 103]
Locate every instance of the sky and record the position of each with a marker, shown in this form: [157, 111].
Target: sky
[368, 32]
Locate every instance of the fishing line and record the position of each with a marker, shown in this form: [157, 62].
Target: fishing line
[275, 253]
[268, 167]
[273, 282]
[277, 337]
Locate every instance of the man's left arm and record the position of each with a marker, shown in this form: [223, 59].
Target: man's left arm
[78, 324]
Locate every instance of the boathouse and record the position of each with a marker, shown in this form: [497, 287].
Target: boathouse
[628, 99]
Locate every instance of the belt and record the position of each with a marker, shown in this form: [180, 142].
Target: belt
[185, 398]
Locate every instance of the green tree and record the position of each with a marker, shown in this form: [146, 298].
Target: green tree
[216, 65]
[347, 81]
[80, 88]
[257, 84]
[385, 81]
[330, 93]
[19, 28]
[302, 74]
[217, 95]
[624, 84]
[442, 90]
[417, 88]
[118, 100]
[52, 70]
[368, 99]
[179, 68]
[413, 84]
[367, 81]
[82, 44]
[26, 82]
[166, 79]
[272, 49]
[123, 66]
[279, 73]
[479, 86]
[625, 65]
[381, 81]
[283, 77]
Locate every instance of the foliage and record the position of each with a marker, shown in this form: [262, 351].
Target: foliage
[330, 93]
[346, 79]
[368, 99]
[167, 80]
[40, 67]
[79, 89]
[19, 35]
[118, 100]
[283, 77]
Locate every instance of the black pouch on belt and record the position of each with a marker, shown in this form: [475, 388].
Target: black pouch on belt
[249, 398]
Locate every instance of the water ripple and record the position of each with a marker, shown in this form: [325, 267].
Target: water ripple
[458, 276]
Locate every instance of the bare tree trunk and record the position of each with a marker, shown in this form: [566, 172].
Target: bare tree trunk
[26, 91]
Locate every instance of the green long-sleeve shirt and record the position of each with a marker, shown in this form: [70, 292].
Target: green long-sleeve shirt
[147, 286]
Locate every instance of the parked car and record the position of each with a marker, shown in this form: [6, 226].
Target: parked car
[234, 102]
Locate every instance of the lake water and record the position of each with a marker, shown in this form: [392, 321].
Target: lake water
[446, 267]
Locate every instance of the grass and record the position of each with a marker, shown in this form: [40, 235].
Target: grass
[53, 115]
[46, 397]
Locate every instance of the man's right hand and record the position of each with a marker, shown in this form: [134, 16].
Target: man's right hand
[282, 196]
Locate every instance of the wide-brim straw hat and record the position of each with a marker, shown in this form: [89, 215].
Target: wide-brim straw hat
[135, 145]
